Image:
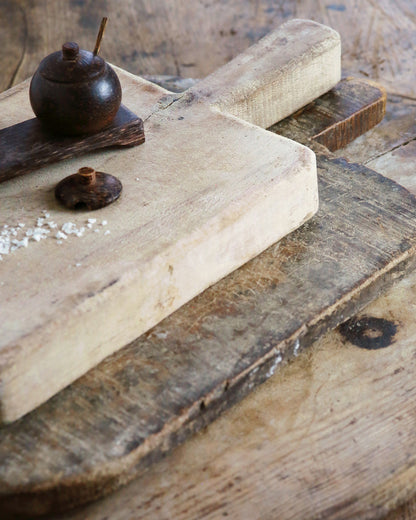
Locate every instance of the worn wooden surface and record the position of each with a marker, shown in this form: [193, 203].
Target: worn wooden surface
[26, 146]
[330, 436]
[378, 41]
[192, 39]
[205, 194]
[182, 391]
[335, 119]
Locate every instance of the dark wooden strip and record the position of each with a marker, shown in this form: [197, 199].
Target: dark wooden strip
[26, 146]
[335, 119]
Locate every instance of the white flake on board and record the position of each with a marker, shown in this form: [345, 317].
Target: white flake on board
[296, 348]
[278, 359]
[21, 235]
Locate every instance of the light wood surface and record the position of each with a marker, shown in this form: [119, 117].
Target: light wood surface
[163, 397]
[378, 42]
[193, 39]
[329, 436]
[206, 193]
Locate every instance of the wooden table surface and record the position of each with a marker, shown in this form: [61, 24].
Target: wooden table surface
[347, 413]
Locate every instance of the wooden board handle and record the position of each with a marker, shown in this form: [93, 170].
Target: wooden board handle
[288, 68]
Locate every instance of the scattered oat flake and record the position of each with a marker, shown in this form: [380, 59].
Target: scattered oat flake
[107, 232]
[104, 223]
[92, 220]
[60, 235]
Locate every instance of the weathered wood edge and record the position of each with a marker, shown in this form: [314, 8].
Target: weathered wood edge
[26, 146]
[333, 120]
[59, 495]
[259, 75]
[342, 132]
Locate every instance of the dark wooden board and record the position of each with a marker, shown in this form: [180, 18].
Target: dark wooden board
[119, 418]
[158, 37]
[335, 119]
[331, 435]
[165, 37]
[26, 146]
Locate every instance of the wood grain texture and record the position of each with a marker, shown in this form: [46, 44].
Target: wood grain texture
[329, 436]
[334, 120]
[194, 39]
[226, 29]
[26, 146]
[406, 511]
[118, 419]
[397, 129]
[213, 192]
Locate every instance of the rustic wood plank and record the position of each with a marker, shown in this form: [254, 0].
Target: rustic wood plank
[397, 128]
[213, 192]
[115, 421]
[224, 29]
[330, 436]
[347, 410]
[379, 38]
[12, 41]
[346, 112]
[27, 146]
[365, 396]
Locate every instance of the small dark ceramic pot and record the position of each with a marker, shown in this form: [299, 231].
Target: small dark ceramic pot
[75, 92]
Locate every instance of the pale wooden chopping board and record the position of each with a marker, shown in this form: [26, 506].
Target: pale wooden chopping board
[203, 195]
[125, 414]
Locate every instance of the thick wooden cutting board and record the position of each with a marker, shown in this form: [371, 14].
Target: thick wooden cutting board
[204, 194]
[134, 407]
